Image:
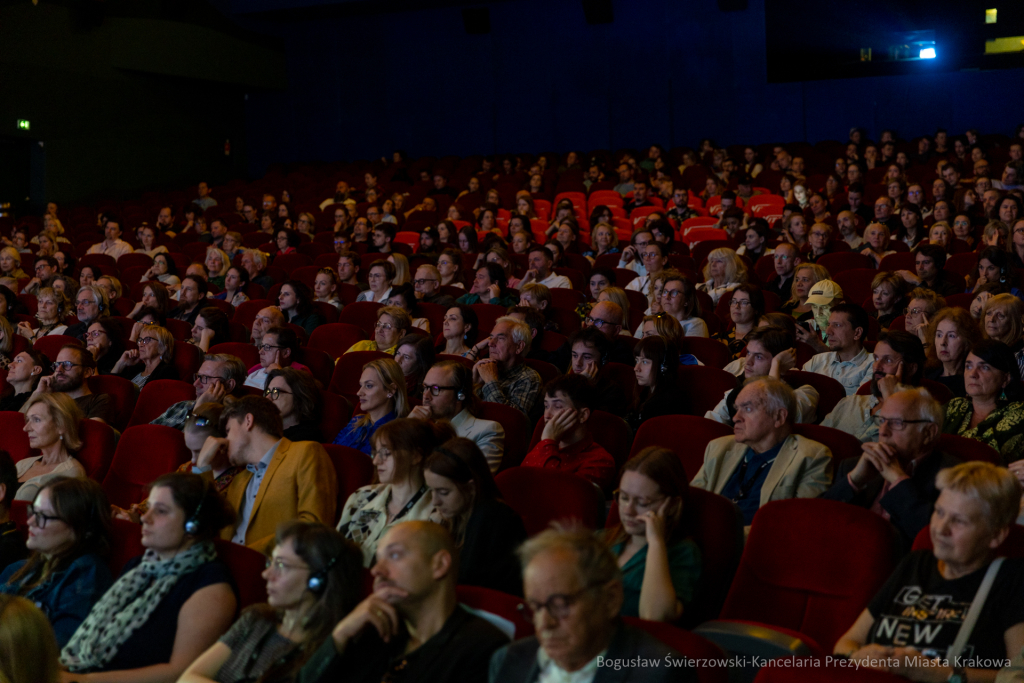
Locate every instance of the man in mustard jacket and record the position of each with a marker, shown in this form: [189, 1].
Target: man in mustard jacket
[763, 461]
[282, 480]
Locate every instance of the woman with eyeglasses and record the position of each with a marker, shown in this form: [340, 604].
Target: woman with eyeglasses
[745, 308]
[51, 423]
[679, 300]
[296, 303]
[382, 398]
[153, 359]
[993, 410]
[52, 309]
[103, 341]
[467, 501]
[660, 564]
[459, 331]
[313, 580]
[325, 287]
[380, 277]
[296, 395]
[171, 603]
[69, 536]
[399, 492]
[236, 280]
[392, 324]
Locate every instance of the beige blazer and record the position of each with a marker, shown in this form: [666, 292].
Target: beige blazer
[803, 468]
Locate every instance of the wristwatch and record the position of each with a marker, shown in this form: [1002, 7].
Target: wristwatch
[959, 675]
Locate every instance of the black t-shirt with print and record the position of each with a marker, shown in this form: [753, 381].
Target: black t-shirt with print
[919, 608]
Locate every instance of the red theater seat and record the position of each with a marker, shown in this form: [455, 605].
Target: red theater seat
[157, 396]
[143, 453]
[687, 436]
[542, 496]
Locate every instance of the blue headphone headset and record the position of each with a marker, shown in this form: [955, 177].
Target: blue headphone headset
[192, 525]
[317, 582]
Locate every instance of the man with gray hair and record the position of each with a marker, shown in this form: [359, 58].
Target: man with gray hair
[268, 317]
[573, 590]
[895, 476]
[219, 375]
[90, 304]
[764, 460]
[504, 375]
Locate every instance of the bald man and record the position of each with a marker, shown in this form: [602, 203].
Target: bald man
[411, 625]
[606, 316]
[268, 317]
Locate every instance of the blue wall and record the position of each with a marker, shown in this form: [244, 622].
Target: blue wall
[665, 71]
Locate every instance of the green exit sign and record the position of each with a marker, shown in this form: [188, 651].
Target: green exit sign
[23, 124]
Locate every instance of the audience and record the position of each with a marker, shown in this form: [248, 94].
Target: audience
[297, 305]
[993, 410]
[660, 566]
[68, 540]
[1003, 320]
[764, 460]
[574, 593]
[399, 492]
[12, 545]
[219, 376]
[392, 324]
[51, 423]
[411, 627]
[51, 312]
[170, 604]
[951, 334]
[540, 262]
[23, 375]
[278, 347]
[414, 353]
[844, 358]
[486, 531]
[887, 297]
[976, 505]
[236, 282]
[382, 398]
[504, 377]
[153, 359]
[567, 442]
[211, 327]
[104, 340]
[459, 331]
[282, 480]
[723, 273]
[266, 318]
[379, 277]
[190, 299]
[313, 581]
[297, 397]
[404, 296]
[656, 367]
[90, 304]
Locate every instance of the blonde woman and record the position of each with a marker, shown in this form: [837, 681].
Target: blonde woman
[887, 297]
[47, 243]
[217, 264]
[51, 310]
[617, 295]
[723, 273]
[1002, 319]
[10, 264]
[805, 277]
[941, 234]
[603, 240]
[382, 398]
[402, 274]
[153, 359]
[51, 422]
[28, 648]
[877, 237]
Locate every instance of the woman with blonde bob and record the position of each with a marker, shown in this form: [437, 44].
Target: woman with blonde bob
[1002, 319]
[217, 264]
[660, 565]
[723, 273]
[805, 277]
[10, 264]
[978, 503]
[951, 334]
[152, 360]
[886, 296]
[28, 650]
[603, 240]
[51, 422]
[52, 309]
[877, 236]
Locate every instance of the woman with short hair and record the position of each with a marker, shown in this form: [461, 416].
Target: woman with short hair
[380, 278]
[152, 359]
[887, 297]
[723, 273]
[877, 237]
[52, 309]
[69, 540]
[392, 324]
[325, 287]
[217, 264]
[1002, 319]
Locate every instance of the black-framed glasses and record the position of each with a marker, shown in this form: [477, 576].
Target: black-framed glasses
[206, 379]
[423, 281]
[66, 364]
[897, 424]
[146, 340]
[557, 605]
[268, 347]
[597, 322]
[40, 518]
[274, 392]
[437, 389]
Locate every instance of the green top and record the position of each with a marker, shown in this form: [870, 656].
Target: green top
[684, 565]
[1003, 430]
[508, 299]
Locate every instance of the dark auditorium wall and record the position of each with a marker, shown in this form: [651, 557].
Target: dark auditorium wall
[130, 103]
[665, 71]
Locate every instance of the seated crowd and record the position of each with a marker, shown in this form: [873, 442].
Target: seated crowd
[348, 384]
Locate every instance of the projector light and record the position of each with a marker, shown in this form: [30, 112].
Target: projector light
[928, 53]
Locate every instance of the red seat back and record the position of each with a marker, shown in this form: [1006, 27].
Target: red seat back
[126, 544]
[335, 339]
[687, 436]
[969, 449]
[704, 386]
[179, 329]
[336, 413]
[98, 442]
[830, 391]
[188, 358]
[517, 431]
[711, 352]
[842, 444]
[348, 369]
[501, 604]
[546, 370]
[13, 438]
[362, 314]
[121, 391]
[246, 567]
[486, 315]
[856, 283]
[811, 565]
[842, 261]
[157, 396]
[353, 468]
[542, 496]
[246, 311]
[131, 471]
[320, 364]
[50, 345]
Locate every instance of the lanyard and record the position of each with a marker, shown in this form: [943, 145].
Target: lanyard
[412, 501]
[747, 486]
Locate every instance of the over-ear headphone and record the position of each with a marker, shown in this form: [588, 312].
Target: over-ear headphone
[317, 582]
[192, 525]
[461, 395]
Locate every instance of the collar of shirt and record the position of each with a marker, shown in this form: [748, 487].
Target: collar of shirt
[550, 672]
[857, 360]
[261, 466]
[756, 459]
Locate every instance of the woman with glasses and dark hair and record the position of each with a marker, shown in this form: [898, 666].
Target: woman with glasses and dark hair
[467, 501]
[993, 411]
[745, 308]
[103, 340]
[379, 277]
[297, 397]
[313, 580]
[51, 423]
[660, 564]
[69, 537]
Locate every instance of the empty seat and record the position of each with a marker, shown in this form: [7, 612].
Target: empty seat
[50, 345]
[13, 438]
[353, 468]
[97, 452]
[842, 444]
[704, 386]
[143, 453]
[157, 396]
[830, 391]
[123, 394]
[517, 431]
[541, 496]
[335, 339]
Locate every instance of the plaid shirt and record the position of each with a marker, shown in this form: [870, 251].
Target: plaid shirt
[176, 415]
[519, 388]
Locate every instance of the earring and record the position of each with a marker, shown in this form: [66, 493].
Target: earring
[62, 436]
[1003, 396]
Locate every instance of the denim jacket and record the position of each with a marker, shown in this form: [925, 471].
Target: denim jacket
[67, 596]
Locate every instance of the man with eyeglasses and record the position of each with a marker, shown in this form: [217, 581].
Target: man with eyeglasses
[899, 363]
[448, 395]
[90, 304]
[763, 460]
[654, 257]
[23, 375]
[45, 268]
[504, 377]
[73, 367]
[787, 258]
[630, 259]
[348, 269]
[219, 375]
[277, 348]
[427, 285]
[574, 594]
[606, 318]
[895, 476]
[411, 627]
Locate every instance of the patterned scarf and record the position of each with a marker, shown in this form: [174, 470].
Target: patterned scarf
[128, 605]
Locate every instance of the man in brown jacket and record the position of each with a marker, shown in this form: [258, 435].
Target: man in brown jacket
[282, 480]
